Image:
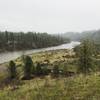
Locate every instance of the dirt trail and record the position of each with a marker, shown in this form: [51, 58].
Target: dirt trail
[3, 68]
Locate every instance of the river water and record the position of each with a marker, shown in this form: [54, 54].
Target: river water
[7, 56]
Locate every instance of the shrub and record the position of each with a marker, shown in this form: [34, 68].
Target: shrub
[55, 71]
[38, 70]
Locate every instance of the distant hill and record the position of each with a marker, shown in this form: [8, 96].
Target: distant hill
[73, 36]
[76, 36]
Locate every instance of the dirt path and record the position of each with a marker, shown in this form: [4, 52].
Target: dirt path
[3, 68]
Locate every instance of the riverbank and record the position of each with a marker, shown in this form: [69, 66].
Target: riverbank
[50, 55]
[48, 59]
[7, 56]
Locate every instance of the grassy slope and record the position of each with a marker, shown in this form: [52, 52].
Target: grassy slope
[59, 57]
[74, 88]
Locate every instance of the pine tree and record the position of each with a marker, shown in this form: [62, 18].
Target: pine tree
[12, 70]
[28, 64]
[86, 53]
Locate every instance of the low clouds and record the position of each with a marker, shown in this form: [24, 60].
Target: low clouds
[49, 15]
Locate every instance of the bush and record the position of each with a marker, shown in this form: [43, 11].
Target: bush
[45, 70]
[38, 70]
[55, 71]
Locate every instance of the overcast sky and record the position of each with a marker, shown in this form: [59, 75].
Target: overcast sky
[52, 16]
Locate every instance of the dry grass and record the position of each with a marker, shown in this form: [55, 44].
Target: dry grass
[73, 88]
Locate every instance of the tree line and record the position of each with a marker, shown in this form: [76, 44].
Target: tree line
[10, 41]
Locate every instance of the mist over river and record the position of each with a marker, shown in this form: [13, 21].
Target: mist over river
[7, 56]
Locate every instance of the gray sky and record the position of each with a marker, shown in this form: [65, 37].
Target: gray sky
[50, 16]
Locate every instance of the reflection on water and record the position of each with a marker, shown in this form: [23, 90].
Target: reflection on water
[5, 57]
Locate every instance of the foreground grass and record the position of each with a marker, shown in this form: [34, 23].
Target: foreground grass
[73, 88]
[78, 87]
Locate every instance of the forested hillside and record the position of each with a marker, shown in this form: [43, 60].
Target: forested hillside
[10, 41]
[76, 36]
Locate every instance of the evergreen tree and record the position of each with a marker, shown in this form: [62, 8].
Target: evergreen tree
[12, 70]
[86, 53]
[28, 64]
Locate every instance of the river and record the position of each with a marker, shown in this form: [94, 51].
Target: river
[7, 56]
